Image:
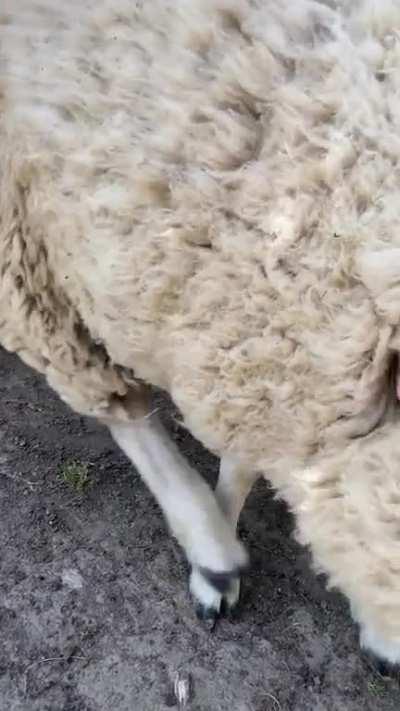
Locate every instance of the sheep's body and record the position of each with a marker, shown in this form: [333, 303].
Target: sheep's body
[206, 193]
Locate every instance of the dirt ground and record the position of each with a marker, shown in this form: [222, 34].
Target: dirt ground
[94, 609]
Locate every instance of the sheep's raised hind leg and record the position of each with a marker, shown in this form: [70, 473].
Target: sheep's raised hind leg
[234, 484]
[190, 506]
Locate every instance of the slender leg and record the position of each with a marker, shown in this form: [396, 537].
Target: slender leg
[234, 484]
[188, 503]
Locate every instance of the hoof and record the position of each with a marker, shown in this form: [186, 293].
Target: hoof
[229, 608]
[207, 615]
[385, 669]
[220, 581]
[214, 601]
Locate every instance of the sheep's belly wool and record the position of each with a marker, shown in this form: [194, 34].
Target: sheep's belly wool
[206, 193]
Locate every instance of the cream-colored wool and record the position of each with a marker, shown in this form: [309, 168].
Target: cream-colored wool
[208, 193]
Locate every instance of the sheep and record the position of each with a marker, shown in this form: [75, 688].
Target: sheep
[203, 197]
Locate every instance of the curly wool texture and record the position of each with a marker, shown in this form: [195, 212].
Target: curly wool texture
[212, 189]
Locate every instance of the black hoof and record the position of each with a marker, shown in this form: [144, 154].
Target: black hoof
[207, 615]
[385, 669]
[229, 612]
[220, 581]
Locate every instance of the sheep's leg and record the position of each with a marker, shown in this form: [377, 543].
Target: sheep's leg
[234, 484]
[189, 504]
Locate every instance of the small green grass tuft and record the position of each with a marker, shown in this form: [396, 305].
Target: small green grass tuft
[76, 475]
[377, 688]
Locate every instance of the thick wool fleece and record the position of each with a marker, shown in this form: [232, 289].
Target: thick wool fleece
[207, 193]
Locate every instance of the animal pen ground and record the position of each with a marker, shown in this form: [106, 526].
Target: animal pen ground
[94, 613]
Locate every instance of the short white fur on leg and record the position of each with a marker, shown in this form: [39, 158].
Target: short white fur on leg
[187, 501]
[234, 484]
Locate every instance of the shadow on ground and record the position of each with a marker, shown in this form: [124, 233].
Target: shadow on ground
[94, 610]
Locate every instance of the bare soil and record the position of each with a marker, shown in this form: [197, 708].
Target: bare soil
[94, 609]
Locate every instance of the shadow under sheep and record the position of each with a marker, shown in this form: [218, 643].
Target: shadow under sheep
[94, 609]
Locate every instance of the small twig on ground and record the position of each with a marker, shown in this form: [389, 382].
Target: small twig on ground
[182, 689]
[42, 661]
[274, 699]
[19, 478]
[150, 414]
